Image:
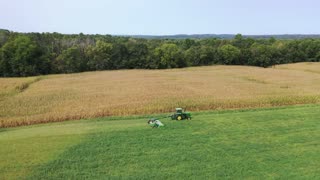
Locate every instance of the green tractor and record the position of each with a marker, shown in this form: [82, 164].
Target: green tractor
[181, 115]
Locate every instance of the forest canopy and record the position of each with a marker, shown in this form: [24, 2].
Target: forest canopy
[30, 54]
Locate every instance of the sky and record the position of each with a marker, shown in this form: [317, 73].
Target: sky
[162, 17]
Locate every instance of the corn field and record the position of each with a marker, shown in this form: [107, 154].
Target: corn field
[53, 98]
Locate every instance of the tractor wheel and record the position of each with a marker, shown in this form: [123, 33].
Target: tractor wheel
[179, 118]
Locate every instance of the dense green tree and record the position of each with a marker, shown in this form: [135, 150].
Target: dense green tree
[263, 55]
[137, 55]
[229, 54]
[25, 54]
[4, 36]
[23, 57]
[310, 47]
[70, 61]
[188, 43]
[293, 52]
[169, 56]
[238, 41]
[245, 56]
[99, 56]
[193, 56]
[208, 55]
[318, 57]
[201, 55]
[119, 56]
[5, 69]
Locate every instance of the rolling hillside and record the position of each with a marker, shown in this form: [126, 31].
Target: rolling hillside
[32, 100]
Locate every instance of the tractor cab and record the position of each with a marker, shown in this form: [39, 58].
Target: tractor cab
[179, 110]
[180, 114]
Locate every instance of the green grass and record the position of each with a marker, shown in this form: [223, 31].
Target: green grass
[276, 143]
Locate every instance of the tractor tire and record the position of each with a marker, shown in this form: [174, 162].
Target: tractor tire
[179, 118]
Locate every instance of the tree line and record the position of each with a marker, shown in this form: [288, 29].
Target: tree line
[30, 54]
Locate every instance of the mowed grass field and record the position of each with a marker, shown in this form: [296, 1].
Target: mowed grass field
[25, 101]
[275, 143]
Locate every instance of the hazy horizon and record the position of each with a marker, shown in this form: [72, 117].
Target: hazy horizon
[158, 18]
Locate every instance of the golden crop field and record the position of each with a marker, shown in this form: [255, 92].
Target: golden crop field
[51, 98]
